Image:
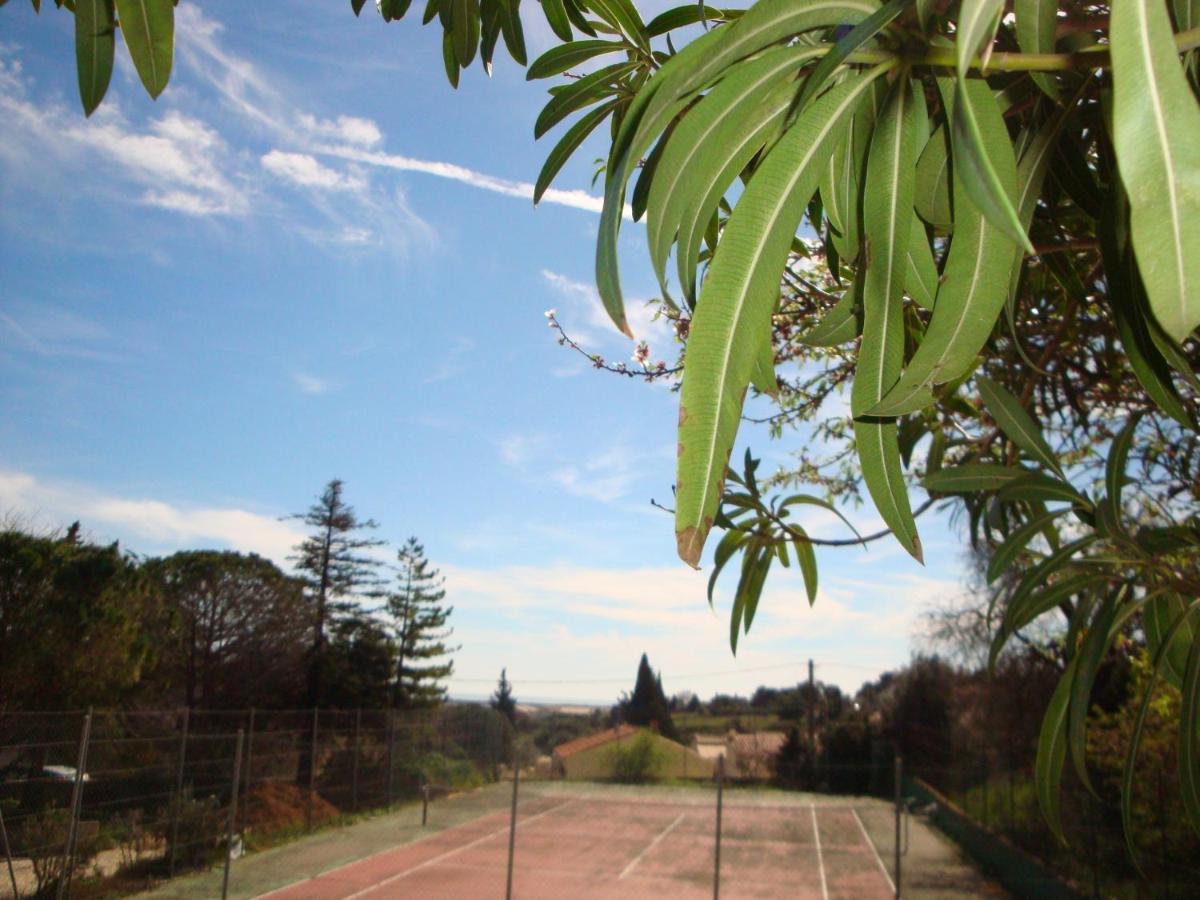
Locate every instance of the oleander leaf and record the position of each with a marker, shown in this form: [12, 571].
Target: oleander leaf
[1017, 425]
[920, 271]
[148, 29]
[1007, 553]
[1036, 21]
[695, 67]
[717, 135]
[736, 304]
[94, 43]
[569, 143]
[556, 18]
[887, 217]
[559, 59]
[971, 477]
[1156, 136]
[1052, 754]
[972, 292]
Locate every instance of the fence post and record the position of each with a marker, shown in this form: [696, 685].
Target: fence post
[899, 775]
[233, 805]
[720, 802]
[249, 776]
[64, 882]
[175, 807]
[512, 828]
[391, 755]
[354, 775]
[312, 774]
[424, 804]
[8, 855]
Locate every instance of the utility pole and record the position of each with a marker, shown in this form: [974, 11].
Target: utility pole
[812, 733]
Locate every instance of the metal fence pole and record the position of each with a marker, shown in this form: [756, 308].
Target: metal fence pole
[233, 806]
[720, 803]
[312, 774]
[512, 828]
[178, 799]
[64, 882]
[391, 755]
[899, 803]
[354, 773]
[8, 855]
[249, 776]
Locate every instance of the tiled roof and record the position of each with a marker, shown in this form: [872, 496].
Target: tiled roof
[764, 743]
[594, 740]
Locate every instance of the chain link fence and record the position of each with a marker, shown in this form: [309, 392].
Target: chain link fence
[128, 796]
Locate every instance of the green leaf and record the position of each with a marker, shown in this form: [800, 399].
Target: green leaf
[682, 16]
[1189, 737]
[887, 217]
[1036, 20]
[1087, 664]
[933, 180]
[148, 28]
[972, 293]
[449, 59]
[355, 5]
[556, 17]
[763, 375]
[392, 10]
[807, 559]
[1168, 633]
[559, 59]
[583, 92]
[977, 21]
[729, 544]
[984, 163]
[574, 11]
[971, 477]
[1007, 552]
[692, 69]
[713, 138]
[1042, 487]
[569, 143]
[465, 18]
[920, 271]
[510, 28]
[1156, 136]
[735, 306]
[1171, 631]
[839, 325]
[842, 177]
[1031, 605]
[622, 15]
[1017, 425]
[94, 29]
[1052, 753]
[860, 34]
[1118, 454]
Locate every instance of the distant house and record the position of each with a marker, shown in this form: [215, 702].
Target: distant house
[753, 755]
[710, 746]
[590, 757]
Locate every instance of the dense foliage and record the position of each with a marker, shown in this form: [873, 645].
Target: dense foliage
[981, 220]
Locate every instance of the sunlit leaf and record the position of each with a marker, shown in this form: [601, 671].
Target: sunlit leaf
[736, 304]
[148, 29]
[94, 42]
[1156, 135]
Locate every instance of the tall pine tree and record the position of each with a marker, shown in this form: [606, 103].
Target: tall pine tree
[337, 570]
[419, 624]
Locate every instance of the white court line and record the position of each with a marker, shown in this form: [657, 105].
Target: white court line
[871, 844]
[654, 843]
[820, 856]
[449, 853]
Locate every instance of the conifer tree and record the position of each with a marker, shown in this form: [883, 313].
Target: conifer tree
[419, 624]
[648, 704]
[334, 563]
[502, 700]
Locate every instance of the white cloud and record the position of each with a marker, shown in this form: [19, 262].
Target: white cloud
[311, 384]
[304, 170]
[349, 129]
[53, 504]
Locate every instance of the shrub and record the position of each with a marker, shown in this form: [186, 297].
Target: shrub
[637, 762]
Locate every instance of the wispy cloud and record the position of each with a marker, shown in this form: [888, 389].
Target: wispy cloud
[51, 331]
[586, 320]
[54, 504]
[311, 384]
[305, 171]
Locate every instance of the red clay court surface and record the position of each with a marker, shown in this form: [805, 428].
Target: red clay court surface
[588, 848]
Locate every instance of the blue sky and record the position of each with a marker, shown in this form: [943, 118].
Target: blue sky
[311, 258]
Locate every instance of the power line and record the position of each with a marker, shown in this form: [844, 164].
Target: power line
[799, 665]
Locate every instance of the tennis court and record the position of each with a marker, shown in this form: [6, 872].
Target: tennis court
[592, 843]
